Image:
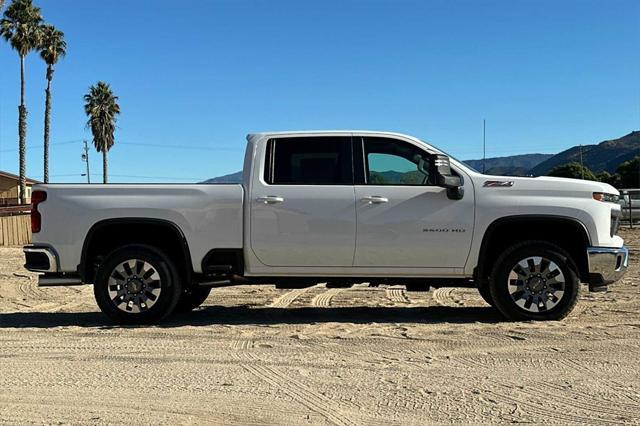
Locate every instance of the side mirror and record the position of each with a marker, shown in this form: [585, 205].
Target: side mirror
[446, 179]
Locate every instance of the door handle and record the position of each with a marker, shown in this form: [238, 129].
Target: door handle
[375, 199]
[270, 199]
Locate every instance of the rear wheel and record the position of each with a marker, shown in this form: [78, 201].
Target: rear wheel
[137, 284]
[534, 280]
[193, 298]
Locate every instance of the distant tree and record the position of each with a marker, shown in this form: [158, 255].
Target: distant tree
[101, 106]
[20, 26]
[629, 172]
[611, 179]
[52, 48]
[572, 170]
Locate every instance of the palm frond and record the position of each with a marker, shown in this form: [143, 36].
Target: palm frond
[101, 107]
[52, 44]
[20, 26]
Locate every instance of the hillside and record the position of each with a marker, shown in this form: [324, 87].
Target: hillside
[230, 178]
[606, 155]
[514, 164]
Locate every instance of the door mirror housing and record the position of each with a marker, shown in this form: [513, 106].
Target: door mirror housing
[446, 179]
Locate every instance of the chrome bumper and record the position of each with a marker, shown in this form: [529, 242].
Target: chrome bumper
[40, 259]
[606, 265]
[44, 259]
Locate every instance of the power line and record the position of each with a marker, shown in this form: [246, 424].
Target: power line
[152, 145]
[42, 146]
[130, 176]
[196, 147]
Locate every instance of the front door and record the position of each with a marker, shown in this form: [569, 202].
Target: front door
[403, 219]
[303, 208]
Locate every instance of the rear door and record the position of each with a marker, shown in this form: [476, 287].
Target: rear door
[303, 207]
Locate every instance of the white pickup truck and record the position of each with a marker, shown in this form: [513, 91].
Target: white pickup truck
[340, 207]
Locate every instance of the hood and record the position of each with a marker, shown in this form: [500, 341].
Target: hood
[547, 183]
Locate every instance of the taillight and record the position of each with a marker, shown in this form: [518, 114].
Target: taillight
[36, 219]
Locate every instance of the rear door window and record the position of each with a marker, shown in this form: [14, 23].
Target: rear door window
[309, 161]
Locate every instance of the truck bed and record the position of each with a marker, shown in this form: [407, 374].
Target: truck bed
[209, 215]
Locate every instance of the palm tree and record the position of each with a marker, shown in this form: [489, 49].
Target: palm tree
[52, 48]
[102, 108]
[20, 26]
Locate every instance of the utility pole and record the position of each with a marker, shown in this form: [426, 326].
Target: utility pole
[484, 145]
[85, 158]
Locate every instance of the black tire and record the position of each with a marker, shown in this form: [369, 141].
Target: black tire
[485, 293]
[126, 296]
[534, 288]
[192, 298]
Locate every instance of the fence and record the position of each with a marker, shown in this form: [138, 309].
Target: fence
[15, 230]
[630, 203]
[9, 201]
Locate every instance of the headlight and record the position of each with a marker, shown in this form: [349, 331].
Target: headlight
[607, 198]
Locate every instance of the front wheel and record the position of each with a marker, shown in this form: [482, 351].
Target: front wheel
[485, 293]
[534, 280]
[137, 284]
[193, 298]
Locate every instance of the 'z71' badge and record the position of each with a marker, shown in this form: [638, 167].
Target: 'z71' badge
[456, 230]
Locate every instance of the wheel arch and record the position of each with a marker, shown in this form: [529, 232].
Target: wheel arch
[566, 232]
[106, 235]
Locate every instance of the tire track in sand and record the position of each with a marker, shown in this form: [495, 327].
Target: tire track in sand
[288, 298]
[323, 300]
[397, 295]
[297, 391]
[551, 407]
[443, 296]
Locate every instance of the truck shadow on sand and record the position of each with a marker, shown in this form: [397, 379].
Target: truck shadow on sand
[252, 315]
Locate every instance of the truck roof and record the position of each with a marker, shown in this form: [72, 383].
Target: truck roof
[329, 132]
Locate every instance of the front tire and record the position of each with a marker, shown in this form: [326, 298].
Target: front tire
[534, 280]
[137, 284]
[193, 298]
[485, 293]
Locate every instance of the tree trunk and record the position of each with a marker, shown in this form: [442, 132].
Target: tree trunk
[22, 135]
[47, 120]
[104, 166]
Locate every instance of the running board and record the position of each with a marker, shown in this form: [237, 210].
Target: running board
[216, 283]
[45, 281]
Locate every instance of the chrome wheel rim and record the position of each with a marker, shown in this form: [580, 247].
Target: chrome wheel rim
[134, 286]
[536, 284]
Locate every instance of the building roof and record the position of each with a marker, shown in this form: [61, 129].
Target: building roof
[16, 177]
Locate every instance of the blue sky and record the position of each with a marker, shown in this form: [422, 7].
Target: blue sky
[194, 77]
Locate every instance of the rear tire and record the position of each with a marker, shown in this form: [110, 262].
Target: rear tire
[137, 284]
[534, 280]
[192, 298]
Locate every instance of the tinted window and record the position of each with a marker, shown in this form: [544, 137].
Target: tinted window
[309, 161]
[393, 162]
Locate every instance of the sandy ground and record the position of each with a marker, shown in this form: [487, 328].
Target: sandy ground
[255, 355]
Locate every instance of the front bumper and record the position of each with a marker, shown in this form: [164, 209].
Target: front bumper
[606, 265]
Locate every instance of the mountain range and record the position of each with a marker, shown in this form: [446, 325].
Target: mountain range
[604, 156]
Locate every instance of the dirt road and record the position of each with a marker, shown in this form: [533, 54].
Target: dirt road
[256, 355]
